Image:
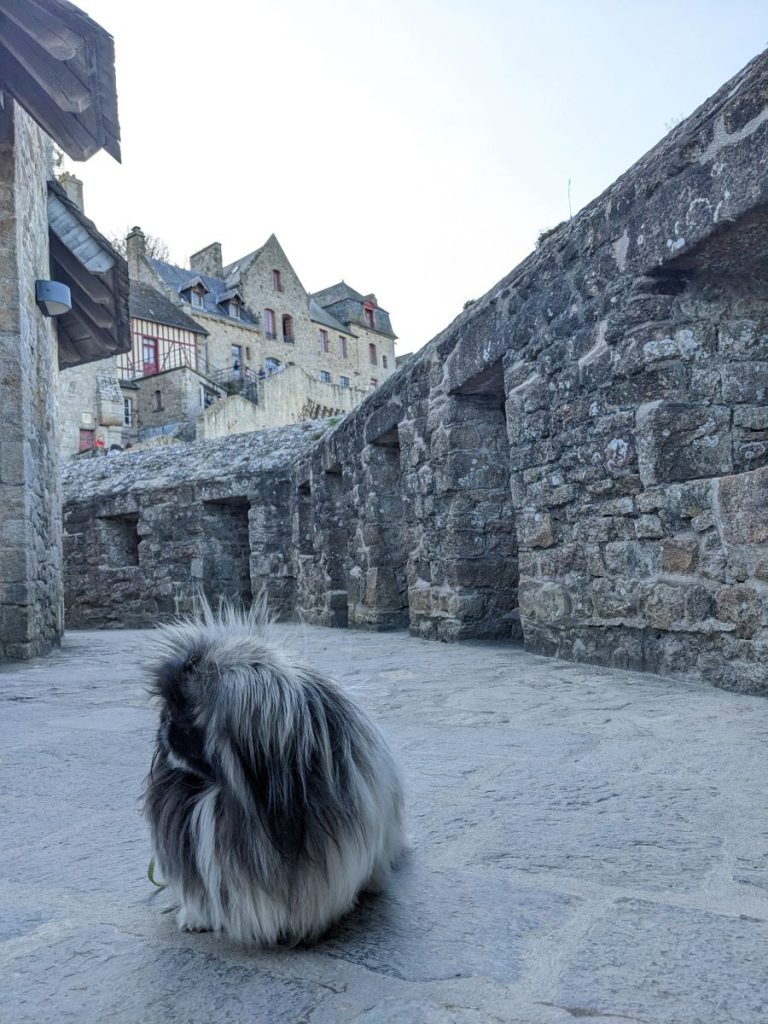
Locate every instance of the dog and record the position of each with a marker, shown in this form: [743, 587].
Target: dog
[272, 799]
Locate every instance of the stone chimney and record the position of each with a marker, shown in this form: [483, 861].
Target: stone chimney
[208, 261]
[136, 252]
[73, 186]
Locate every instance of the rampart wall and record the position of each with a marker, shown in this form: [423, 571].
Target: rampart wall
[581, 458]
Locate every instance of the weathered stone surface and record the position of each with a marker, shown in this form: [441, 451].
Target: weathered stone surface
[679, 554]
[676, 441]
[567, 824]
[31, 592]
[741, 504]
[592, 424]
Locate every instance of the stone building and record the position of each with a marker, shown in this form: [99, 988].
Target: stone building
[57, 85]
[152, 390]
[580, 459]
[257, 350]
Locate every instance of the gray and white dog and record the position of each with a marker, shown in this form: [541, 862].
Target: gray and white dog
[272, 799]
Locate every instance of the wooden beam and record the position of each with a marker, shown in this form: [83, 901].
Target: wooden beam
[55, 78]
[74, 269]
[46, 30]
[101, 315]
[64, 128]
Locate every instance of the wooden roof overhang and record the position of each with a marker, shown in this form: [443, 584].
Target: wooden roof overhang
[59, 65]
[98, 325]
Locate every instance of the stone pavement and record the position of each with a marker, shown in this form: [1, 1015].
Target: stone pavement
[588, 844]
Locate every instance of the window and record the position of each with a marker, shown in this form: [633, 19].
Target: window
[127, 412]
[277, 282]
[237, 357]
[197, 296]
[384, 362]
[325, 377]
[234, 309]
[269, 324]
[342, 347]
[323, 340]
[158, 401]
[149, 356]
[368, 315]
[86, 439]
[374, 382]
[248, 354]
[288, 329]
[344, 382]
[207, 397]
[372, 354]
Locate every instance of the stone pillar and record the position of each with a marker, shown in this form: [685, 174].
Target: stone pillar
[31, 594]
[378, 581]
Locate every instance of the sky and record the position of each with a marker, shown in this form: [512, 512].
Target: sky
[414, 148]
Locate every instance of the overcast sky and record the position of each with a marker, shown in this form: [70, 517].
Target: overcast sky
[414, 148]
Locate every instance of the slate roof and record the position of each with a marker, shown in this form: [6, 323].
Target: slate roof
[233, 269]
[343, 302]
[147, 303]
[98, 324]
[322, 316]
[337, 292]
[218, 290]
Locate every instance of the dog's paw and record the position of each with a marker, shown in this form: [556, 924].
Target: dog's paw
[190, 920]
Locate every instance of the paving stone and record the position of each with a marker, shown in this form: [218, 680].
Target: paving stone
[586, 844]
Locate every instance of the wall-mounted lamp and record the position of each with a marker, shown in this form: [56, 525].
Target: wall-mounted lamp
[53, 297]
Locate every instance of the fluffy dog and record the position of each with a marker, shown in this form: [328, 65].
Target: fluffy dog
[272, 799]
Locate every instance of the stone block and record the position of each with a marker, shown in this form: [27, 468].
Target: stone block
[633, 559]
[741, 606]
[745, 382]
[699, 604]
[679, 554]
[649, 526]
[743, 340]
[543, 602]
[741, 507]
[751, 417]
[612, 599]
[679, 441]
[535, 530]
[662, 605]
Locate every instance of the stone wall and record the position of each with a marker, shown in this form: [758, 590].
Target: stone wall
[583, 453]
[147, 532]
[31, 596]
[581, 457]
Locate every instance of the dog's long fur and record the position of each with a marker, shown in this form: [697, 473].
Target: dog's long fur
[272, 799]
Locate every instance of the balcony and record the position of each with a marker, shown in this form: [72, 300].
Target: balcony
[242, 381]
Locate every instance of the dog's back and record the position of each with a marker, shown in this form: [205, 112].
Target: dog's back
[272, 798]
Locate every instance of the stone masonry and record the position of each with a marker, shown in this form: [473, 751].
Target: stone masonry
[581, 457]
[31, 592]
[147, 532]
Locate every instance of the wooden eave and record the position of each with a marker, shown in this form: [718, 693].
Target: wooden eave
[59, 65]
[98, 325]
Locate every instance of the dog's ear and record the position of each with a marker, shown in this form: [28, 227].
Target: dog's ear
[172, 679]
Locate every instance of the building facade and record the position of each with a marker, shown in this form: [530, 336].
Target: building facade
[249, 339]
